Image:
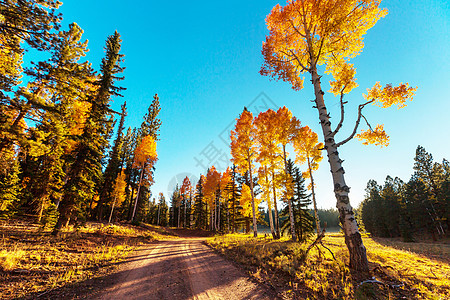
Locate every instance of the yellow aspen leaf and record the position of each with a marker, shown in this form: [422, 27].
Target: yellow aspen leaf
[378, 137]
[390, 95]
[344, 78]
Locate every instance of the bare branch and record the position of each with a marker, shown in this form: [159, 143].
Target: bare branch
[338, 127]
[360, 108]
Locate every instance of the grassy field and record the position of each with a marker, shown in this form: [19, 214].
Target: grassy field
[32, 261]
[398, 270]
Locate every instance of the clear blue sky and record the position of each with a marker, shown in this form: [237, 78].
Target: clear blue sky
[203, 58]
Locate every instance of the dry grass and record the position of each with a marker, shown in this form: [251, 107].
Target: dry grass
[403, 274]
[34, 261]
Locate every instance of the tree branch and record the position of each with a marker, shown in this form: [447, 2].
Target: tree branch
[360, 108]
[338, 127]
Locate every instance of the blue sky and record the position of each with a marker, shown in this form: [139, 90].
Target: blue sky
[203, 58]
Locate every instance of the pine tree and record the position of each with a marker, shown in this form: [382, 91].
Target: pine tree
[114, 166]
[66, 81]
[200, 215]
[33, 22]
[428, 172]
[86, 169]
[303, 220]
[149, 127]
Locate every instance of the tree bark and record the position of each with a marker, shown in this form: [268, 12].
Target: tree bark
[112, 209]
[316, 216]
[353, 240]
[159, 208]
[277, 220]
[137, 193]
[269, 206]
[255, 229]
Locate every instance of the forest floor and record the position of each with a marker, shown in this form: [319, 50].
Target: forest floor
[102, 261]
[398, 270]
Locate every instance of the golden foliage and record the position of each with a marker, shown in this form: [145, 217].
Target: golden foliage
[145, 157]
[389, 95]
[246, 202]
[10, 61]
[345, 80]
[378, 137]
[287, 125]
[145, 152]
[243, 142]
[307, 149]
[310, 32]
[119, 188]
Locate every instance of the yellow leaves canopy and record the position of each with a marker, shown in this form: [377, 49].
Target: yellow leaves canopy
[389, 95]
[267, 137]
[119, 188]
[377, 136]
[246, 202]
[145, 157]
[305, 33]
[307, 148]
[345, 81]
[243, 141]
[145, 152]
[287, 125]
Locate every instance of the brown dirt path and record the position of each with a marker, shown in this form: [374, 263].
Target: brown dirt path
[181, 269]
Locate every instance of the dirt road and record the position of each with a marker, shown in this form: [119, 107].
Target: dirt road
[182, 269]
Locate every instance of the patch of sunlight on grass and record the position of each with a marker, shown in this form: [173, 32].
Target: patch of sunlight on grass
[325, 277]
[9, 259]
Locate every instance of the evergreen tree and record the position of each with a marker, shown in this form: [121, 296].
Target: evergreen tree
[303, 220]
[65, 81]
[200, 210]
[429, 173]
[86, 169]
[113, 168]
[149, 127]
[33, 22]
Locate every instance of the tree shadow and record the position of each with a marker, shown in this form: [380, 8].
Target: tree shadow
[160, 272]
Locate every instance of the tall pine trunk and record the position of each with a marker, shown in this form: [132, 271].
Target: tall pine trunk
[353, 240]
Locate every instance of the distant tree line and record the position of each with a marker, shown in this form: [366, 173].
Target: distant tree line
[416, 209]
[58, 159]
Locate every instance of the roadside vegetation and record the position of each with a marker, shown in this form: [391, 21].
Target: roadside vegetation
[397, 274]
[32, 261]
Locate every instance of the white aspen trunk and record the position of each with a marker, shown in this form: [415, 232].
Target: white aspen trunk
[137, 194]
[277, 220]
[41, 210]
[179, 215]
[316, 216]
[218, 216]
[353, 240]
[255, 229]
[184, 213]
[228, 218]
[112, 209]
[159, 208]
[291, 211]
[269, 204]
